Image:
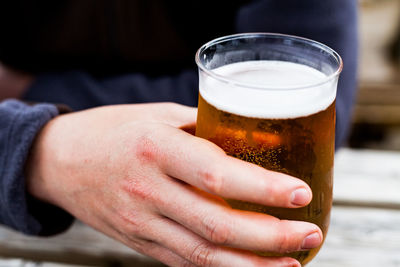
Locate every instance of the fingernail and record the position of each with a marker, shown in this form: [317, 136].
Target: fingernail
[311, 241]
[300, 197]
[295, 264]
[292, 263]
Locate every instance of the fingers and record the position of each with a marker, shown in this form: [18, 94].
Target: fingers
[201, 252]
[163, 254]
[180, 115]
[204, 165]
[219, 224]
[147, 247]
[173, 114]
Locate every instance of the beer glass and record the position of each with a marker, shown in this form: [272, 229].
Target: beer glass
[269, 99]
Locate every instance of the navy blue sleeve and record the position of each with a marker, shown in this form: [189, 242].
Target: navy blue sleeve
[79, 90]
[332, 22]
[19, 124]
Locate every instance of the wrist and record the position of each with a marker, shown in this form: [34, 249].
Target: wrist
[38, 163]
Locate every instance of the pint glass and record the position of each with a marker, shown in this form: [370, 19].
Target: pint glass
[269, 99]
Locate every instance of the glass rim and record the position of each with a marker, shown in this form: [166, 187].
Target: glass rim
[222, 78]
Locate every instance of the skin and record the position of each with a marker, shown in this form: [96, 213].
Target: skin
[135, 173]
[131, 172]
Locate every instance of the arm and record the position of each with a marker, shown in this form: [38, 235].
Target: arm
[19, 124]
[332, 22]
[130, 172]
[127, 171]
[79, 90]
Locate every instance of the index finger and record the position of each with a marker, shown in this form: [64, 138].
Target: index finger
[206, 166]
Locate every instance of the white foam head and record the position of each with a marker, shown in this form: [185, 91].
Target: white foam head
[268, 89]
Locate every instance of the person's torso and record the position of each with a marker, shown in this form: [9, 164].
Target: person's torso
[105, 37]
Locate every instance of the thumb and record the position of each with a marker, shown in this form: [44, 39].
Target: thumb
[182, 117]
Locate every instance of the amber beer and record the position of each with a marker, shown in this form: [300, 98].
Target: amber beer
[302, 147]
[279, 115]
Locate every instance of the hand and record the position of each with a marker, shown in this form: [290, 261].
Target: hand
[131, 173]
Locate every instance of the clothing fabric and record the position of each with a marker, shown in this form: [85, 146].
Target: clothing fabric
[19, 126]
[99, 52]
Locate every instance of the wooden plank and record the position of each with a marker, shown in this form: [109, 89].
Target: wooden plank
[367, 178]
[384, 94]
[358, 237]
[23, 263]
[377, 114]
[378, 25]
[80, 245]
[361, 237]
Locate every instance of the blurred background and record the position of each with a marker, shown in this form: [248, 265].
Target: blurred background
[376, 120]
[366, 181]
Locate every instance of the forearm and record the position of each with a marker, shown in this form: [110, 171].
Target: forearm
[79, 90]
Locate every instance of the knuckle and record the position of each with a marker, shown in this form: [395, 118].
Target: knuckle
[282, 243]
[285, 242]
[212, 180]
[203, 255]
[145, 149]
[141, 189]
[271, 189]
[142, 246]
[144, 191]
[218, 231]
[187, 264]
[138, 244]
[131, 224]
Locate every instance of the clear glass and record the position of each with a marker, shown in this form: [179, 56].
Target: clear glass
[283, 122]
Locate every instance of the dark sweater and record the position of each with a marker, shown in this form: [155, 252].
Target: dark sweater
[98, 52]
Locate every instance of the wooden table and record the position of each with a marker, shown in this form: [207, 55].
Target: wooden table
[364, 232]
[365, 224]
